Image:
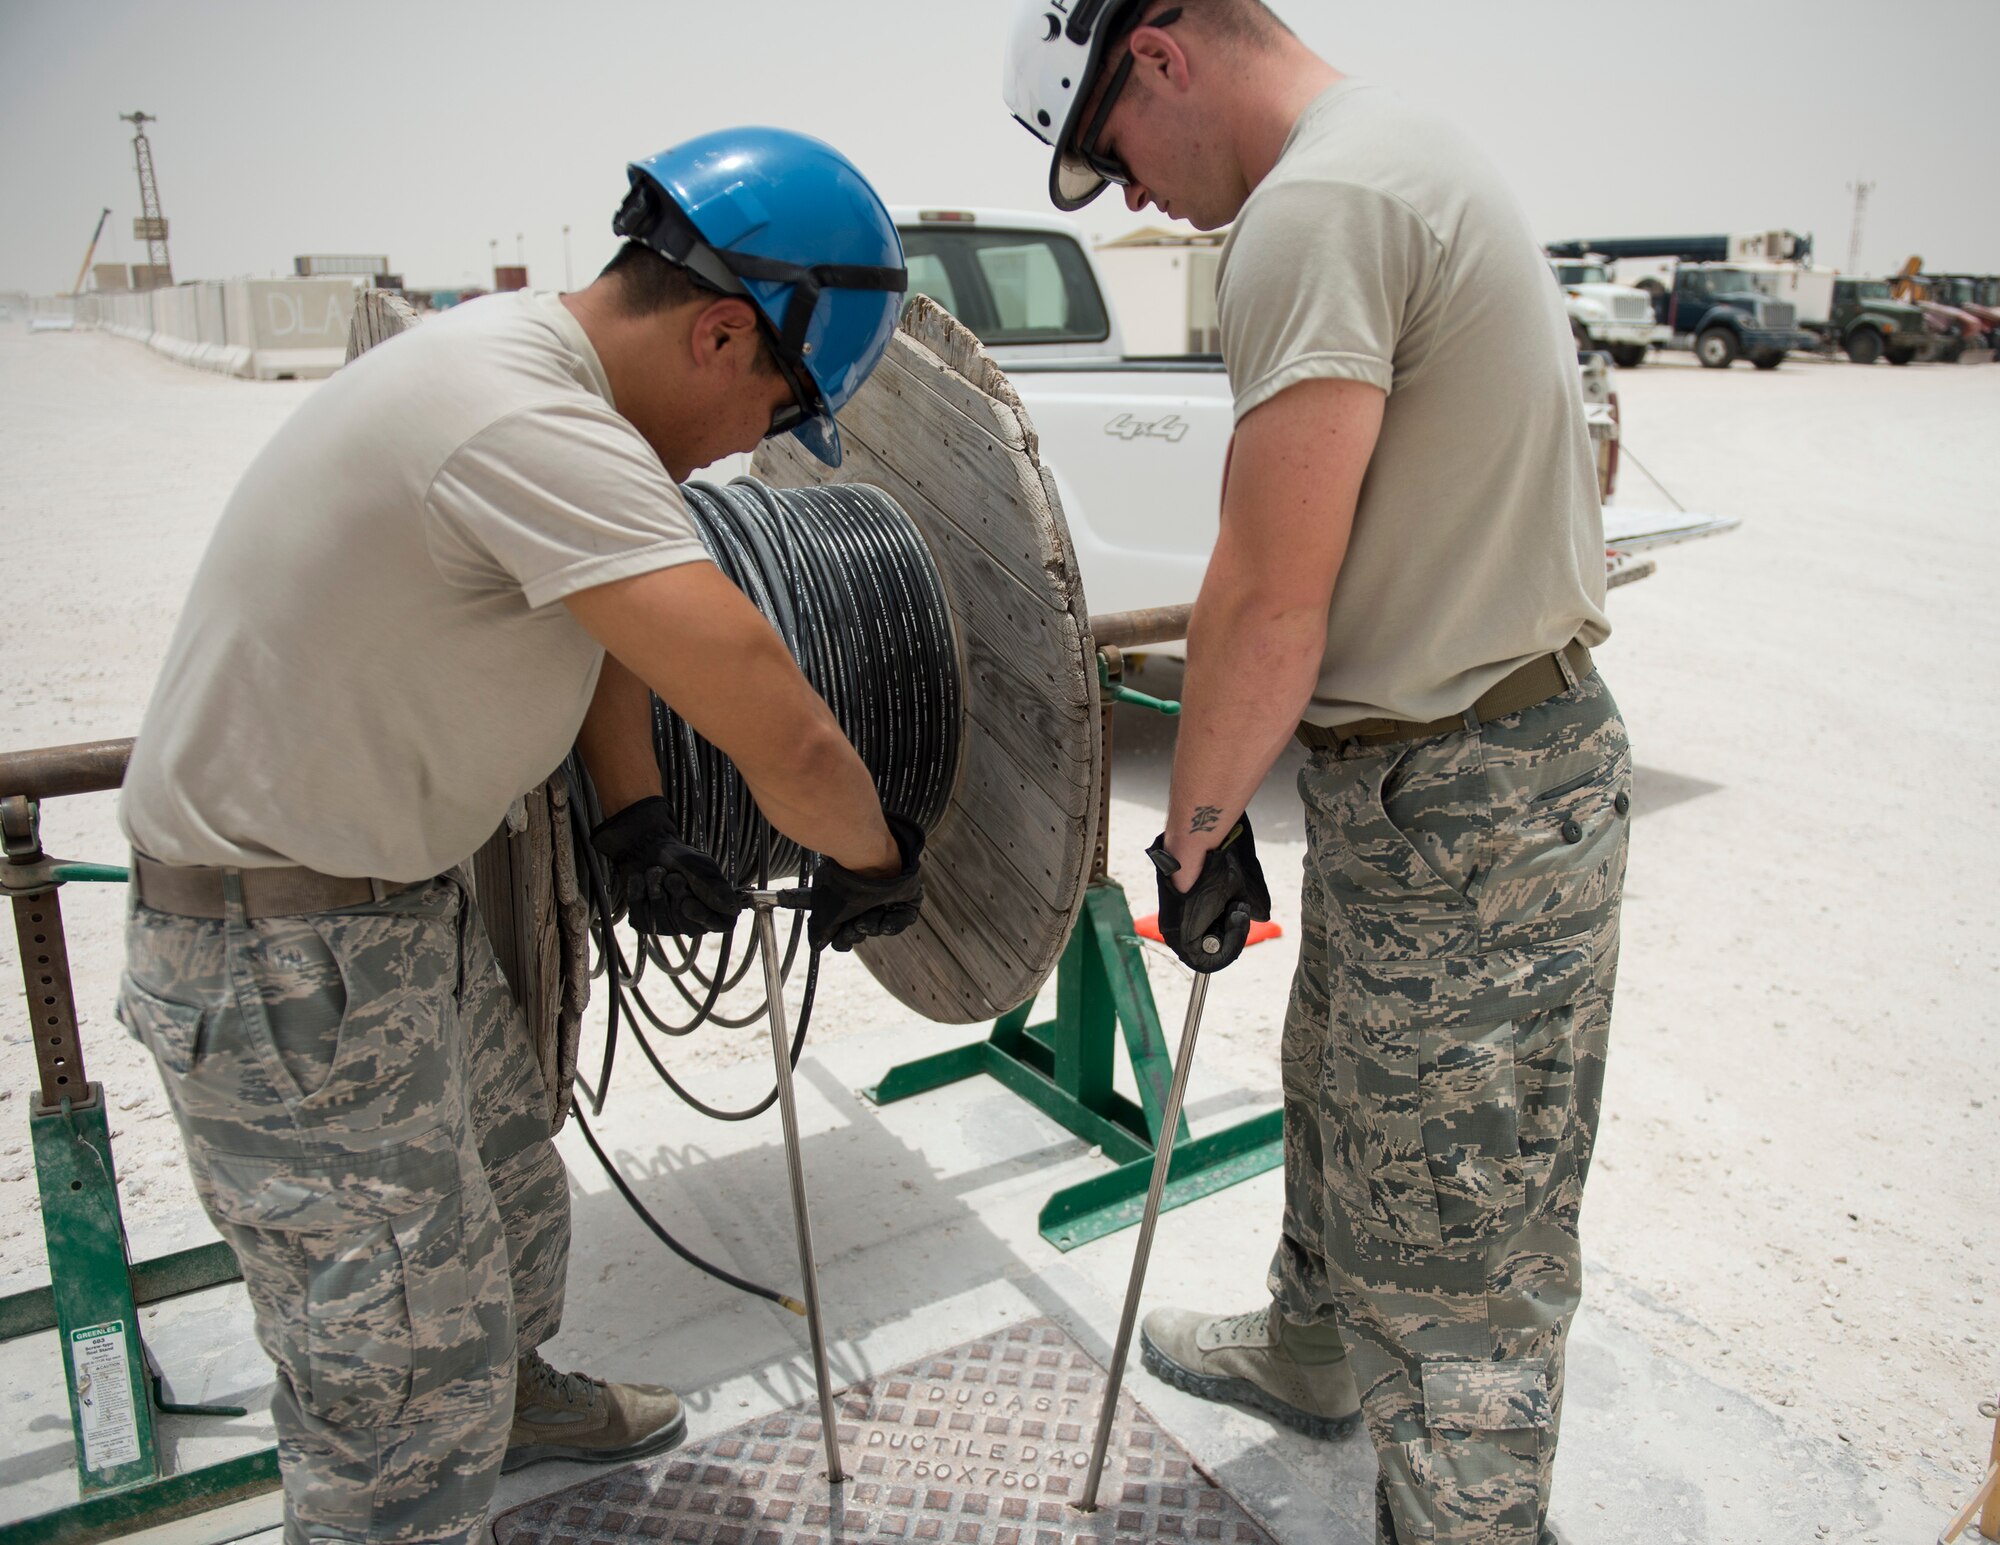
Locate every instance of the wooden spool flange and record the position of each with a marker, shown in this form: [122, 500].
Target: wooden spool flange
[940, 429]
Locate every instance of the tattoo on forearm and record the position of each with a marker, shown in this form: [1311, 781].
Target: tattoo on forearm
[1206, 817]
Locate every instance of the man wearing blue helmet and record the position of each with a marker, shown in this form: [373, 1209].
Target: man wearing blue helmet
[463, 555]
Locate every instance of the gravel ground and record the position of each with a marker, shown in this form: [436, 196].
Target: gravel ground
[1802, 1139]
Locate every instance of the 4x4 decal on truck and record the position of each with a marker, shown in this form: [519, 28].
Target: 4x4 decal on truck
[1126, 427]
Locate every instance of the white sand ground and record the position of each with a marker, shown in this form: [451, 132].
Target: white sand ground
[1796, 1183]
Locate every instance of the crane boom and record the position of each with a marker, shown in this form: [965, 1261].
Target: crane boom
[89, 253]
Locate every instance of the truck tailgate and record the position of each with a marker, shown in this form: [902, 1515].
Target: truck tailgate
[1137, 454]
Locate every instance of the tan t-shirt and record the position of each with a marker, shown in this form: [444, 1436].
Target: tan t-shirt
[1384, 248]
[374, 660]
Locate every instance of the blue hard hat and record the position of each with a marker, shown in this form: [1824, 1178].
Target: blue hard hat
[789, 223]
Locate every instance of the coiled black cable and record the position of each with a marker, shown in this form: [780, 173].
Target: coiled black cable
[845, 578]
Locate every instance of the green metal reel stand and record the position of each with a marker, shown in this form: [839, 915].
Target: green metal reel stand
[95, 1289]
[1064, 1067]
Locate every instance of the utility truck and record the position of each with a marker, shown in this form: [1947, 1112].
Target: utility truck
[1712, 292]
[1857, 316]
[1136, 444]
[1725, 312]
[1606, 315]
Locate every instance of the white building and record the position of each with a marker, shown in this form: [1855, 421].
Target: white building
[1162, 286]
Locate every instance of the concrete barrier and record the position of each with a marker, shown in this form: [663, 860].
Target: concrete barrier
[301, 325]
[51, 313]
[259, 329]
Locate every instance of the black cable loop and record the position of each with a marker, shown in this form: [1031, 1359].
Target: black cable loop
[709, 1268]
[845, 579]
[703, 1008]
[653, 949]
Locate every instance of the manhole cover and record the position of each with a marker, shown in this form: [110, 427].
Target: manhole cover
[986, 1444]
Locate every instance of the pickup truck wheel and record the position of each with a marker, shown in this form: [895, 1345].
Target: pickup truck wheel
[1628, 356]
[1864, 345]
[1901, 356]
[1717, 348]
[1770, 359]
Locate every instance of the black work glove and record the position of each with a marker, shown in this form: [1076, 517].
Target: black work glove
[1219, 907]
[668, 886]
[849, 907]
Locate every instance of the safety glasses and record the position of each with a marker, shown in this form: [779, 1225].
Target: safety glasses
[1088, 145]
[805, 399]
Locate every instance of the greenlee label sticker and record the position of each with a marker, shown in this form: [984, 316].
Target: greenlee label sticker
[105, 1413]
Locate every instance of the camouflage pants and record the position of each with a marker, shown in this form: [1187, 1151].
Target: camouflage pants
[367, 1125]
[1443, 1062]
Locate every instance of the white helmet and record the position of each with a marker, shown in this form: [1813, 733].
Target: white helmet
[1054, 52]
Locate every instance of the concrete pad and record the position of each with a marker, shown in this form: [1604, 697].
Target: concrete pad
[925, 1218]
[1787, 1195]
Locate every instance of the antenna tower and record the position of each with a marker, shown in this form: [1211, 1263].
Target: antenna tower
[151, 226]
[1860, 190]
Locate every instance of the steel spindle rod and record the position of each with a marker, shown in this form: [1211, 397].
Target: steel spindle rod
[763, 902]
[1163, 1159]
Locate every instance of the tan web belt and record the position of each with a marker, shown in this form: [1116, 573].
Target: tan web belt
[1536, 682]
[289, 892]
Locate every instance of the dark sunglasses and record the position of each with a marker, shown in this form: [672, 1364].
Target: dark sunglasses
[1102, 162]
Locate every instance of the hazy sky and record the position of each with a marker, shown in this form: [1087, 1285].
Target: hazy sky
[424, 130]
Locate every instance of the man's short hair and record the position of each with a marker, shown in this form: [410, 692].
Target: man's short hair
[648, 283]
[1243, 21]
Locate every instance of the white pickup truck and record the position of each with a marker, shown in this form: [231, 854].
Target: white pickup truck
[1137, 444]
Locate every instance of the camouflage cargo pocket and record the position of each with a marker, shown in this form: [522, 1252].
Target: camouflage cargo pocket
[1426, 1144]
[1449, 1091]
[1405, 834]
[377, 1323]
[171, 1031]
[1486, 1424]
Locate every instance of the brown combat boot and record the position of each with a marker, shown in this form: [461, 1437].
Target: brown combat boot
[573, 1416]
[1297, 1374]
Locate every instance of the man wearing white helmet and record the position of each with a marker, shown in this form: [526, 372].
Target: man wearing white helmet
[1407, 578]
[463, 555]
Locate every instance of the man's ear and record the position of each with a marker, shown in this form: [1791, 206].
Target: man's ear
[725, 333]
[1157, 54]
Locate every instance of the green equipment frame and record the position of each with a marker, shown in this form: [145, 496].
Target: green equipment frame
[1064, 1067]
[95, 1288]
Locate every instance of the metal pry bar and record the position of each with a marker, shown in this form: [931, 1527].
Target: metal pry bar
[1163, 1158]
[764, 903]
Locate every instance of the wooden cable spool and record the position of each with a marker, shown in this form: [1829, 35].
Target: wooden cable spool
[940, 429]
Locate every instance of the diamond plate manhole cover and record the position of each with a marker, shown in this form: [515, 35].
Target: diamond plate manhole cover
[986, 1444]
